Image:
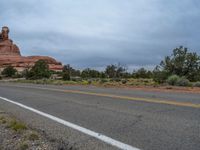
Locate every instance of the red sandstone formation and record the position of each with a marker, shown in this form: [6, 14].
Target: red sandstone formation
[10, 55]
[6, 45]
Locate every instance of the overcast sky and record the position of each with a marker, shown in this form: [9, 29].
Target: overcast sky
[94, 33]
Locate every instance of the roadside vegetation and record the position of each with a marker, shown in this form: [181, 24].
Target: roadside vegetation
[181, 68]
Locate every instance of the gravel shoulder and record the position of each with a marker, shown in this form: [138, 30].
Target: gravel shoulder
[52, 134]
[16, 135]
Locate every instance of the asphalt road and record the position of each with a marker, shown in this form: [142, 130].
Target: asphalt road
[146, 120]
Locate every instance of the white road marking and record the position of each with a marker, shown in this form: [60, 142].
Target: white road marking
[99, 136]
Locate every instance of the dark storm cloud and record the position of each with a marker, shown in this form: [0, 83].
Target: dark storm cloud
[94, 33]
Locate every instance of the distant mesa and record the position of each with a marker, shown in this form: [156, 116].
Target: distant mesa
[10, 55]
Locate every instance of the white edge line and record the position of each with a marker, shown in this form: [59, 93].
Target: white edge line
[99, 136]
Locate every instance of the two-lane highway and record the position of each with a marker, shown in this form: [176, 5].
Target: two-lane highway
[146, 120]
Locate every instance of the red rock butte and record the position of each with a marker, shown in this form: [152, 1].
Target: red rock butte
[10, 55]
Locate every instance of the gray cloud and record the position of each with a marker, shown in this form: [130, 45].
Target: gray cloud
[96, 33]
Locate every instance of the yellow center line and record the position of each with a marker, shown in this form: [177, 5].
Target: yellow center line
[158, 101]
[148, 100]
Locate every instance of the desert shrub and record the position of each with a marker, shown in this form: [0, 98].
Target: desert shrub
[9, 71]
[197, 84]
[66, 76]
[39, 71]
[17, 75]
[111, 80]
[103, 80]
[142, 73]
[33, 137]
[124, 81]
[160, 76]
[76, 79]
[89, 81]
[73, 79]
[182, 82]
[84, 82]
[17, 126]
[172, 80]
[115, 80]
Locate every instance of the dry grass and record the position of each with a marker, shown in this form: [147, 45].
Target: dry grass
[16, 126]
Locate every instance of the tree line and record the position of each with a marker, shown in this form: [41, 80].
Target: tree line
[181, 64]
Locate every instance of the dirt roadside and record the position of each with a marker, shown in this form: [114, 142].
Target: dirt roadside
[16, 135]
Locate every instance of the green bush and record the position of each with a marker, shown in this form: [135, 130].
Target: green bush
[115, 80]
[39, 71]
[9, 71]
[172, 80]
[160, 76]
[183, 82]
[17, 75]
[66, 76]
[103, 81]
[197, 84]
[76, 79]
[124, 81]
[89, 81]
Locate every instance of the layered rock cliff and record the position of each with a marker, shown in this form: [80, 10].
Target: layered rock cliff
[10, 55]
